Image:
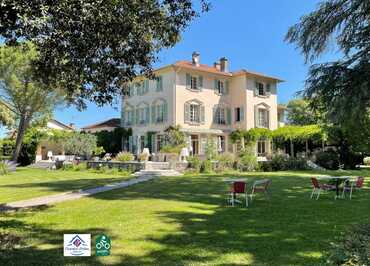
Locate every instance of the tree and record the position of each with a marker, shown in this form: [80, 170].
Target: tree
[90, 48]
[30, 99]
[82, 144]
[300, 113]
[6, 114]
[339, 89]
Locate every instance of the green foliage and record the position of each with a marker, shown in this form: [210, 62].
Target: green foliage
[210, 149]
[248, 160]
[74, 167]
[367, 160]
[171, 149]
[99, 151]
[328, 159]
[206, 167]
[7, 115]
[124, 156]
[226, 161]
[194, 163]
[3, 168]
[81, 144]
[29, 98]
[300, 113]
[174, 136]
[108, 43]
[339, 89]
[352, 248]
[111, 141]
[284, 163]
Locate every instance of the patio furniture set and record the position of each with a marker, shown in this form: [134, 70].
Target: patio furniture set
[240, 186]
[342, 185]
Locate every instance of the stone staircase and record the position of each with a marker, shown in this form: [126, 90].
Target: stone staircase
[157, 169]
[43, 165]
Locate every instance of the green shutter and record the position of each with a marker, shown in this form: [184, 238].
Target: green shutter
[147, 114]
[132, 113]
[268, 118]
[216, 85]
[228, 116]
[268, 88]
[146, 85]
[200, 81]
[154, 120]
[226, 87]
[215, 115]
[186, 112]
[188, 80]
[202, 114]
[159, 83]
[241, 113]
[137, 116]
[165, 112]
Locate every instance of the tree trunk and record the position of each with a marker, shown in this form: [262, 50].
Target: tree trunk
[306, 148]
[291, 148]
[22, 127]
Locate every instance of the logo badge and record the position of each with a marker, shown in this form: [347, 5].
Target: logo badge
[102, 245]
[77, 245]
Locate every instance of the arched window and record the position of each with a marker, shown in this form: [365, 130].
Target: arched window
[142, 113]
[159, 111]
[262, 115]
[128, 115]
[221, 114]
[194, 112]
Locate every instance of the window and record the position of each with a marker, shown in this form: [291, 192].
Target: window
[159, 111]
[128, 117]
[193, 84]
[142, 114]
[263, 119]
[221, 87]
[261, 147]
[221, 116]
[194, 113]
[261, 89]
[239, 114]
[159, 83]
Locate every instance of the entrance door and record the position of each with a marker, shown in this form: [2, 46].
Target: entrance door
[195, 144]
[44, 153]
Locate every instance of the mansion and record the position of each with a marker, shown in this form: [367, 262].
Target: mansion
[206, 101]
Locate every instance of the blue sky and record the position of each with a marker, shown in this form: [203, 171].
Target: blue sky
[250, 33]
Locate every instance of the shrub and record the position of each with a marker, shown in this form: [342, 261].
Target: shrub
[172, 149]
[367, 160]
[328, 159]
[225, 161]
[194, 163]
[279, 162]
[99, 151]
[206, 167]
[124, 156]
[296, 164]
[3, 168]
[353, 248]
[248, 160]
[265, 166]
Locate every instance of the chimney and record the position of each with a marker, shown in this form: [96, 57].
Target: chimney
[72, 125]
[217, 65]
[195, 59]
[224, 64]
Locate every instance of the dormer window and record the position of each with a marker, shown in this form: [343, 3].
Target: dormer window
[221, 86]
[193, 82]
[263, 89]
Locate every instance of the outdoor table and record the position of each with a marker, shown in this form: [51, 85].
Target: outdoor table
[337, 182]
[233, 180]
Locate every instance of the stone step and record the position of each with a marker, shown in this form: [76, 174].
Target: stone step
[42, 164]
[157, 165]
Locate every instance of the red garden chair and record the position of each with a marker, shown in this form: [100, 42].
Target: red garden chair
[238, 187]
[261, 186]
[318, 187]
[353, 185]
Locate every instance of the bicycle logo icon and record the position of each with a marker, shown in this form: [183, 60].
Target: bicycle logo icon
[102, 245]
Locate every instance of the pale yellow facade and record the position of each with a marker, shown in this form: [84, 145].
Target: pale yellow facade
[193, 98]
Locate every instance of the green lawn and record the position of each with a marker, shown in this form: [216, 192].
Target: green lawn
[28, 183]
[185, 221]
